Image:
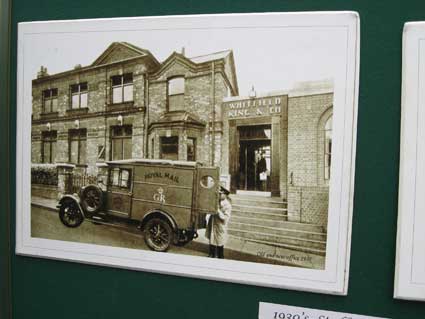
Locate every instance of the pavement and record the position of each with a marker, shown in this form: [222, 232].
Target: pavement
[236, 248]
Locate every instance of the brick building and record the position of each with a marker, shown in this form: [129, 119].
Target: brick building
[127, 104]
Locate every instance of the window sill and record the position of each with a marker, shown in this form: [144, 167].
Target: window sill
[49, 115]
[83, 110]
[122, 105]
[78, 165]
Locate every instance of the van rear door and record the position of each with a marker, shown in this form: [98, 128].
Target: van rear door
[208, 183]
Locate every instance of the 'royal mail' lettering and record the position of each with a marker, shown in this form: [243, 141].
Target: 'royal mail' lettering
[169, 176]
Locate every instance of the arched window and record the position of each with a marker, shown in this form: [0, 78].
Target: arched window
[328, 148]
[176, 94]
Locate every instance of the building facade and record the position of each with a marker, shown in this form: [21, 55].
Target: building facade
[127, 104]
[280, 143]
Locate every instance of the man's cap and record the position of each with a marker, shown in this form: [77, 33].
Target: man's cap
[224, 190]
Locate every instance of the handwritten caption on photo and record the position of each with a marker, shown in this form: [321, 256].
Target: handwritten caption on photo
[275, 311]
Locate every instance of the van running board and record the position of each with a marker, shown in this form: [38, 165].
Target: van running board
[99, 220]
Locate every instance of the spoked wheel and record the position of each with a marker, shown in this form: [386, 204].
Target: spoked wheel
[92, 199]
[70, 214]
[158, 234]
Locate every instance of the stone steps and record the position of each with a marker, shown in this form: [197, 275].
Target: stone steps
[276, 216]
[252, 208]
[264, 220]
[318, 252]
[280, 231]
[272, 202]
[279, 222]
[272, 239]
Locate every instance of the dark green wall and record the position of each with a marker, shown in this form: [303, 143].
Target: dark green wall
[54, 289]
[4, 168]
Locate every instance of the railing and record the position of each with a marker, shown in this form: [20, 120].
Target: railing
[74, 182]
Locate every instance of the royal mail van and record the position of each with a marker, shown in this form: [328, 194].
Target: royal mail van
[167, 199]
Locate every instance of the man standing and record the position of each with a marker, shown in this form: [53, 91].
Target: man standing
[216, 230]
[262, 172]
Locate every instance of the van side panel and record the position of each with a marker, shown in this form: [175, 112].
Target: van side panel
[166, 188]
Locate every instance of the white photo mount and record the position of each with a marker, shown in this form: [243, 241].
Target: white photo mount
[333, 279]
[410, 258]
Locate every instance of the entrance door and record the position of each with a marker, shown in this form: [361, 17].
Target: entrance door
[254, 158]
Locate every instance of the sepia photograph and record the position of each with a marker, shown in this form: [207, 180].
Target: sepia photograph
[219, 143]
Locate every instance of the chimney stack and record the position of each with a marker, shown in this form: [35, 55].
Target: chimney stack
[252, 93]
[42, 72]
[183, 51]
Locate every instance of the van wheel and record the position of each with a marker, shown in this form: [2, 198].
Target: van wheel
[70, 214]
[92, 199]
[158, 234]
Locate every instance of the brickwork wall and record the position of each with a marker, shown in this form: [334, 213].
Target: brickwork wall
[204, 93]
[197, 101]
[136, 120]
[44, 191]
[225, 148]
[100, 114]
[99, 91]
[307, 190]
[221, 91]
[284, 150]
[157, 99]
[98, 135]
[95, 138]
[36, 143]
[229, 72]
[309, 204]
[321, 147]
[197, 98]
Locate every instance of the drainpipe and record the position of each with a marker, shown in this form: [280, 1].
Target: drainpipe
[105, 156]
[212, 135]
[145, 155]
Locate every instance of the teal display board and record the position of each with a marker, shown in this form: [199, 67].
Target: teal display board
[4, 169]
[47, 289]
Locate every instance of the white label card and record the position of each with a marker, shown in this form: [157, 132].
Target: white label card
[275, 311]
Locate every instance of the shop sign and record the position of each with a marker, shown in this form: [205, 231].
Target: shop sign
[254, 107]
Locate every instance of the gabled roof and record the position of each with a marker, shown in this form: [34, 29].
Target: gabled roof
[227, 57]
[110, 56]
[117, 51]
[210, 57]
[201, 63]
